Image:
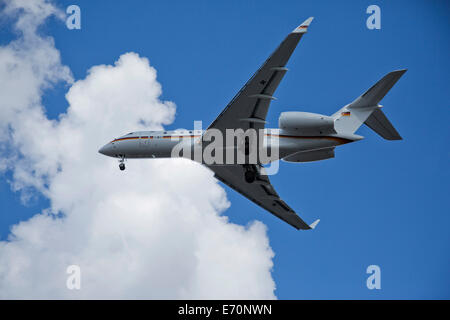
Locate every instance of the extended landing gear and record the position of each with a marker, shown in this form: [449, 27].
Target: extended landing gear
[122, 164]
[250, 176]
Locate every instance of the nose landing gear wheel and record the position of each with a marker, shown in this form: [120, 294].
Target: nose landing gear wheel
[122, 166]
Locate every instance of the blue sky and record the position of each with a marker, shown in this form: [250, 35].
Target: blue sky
[380, 202]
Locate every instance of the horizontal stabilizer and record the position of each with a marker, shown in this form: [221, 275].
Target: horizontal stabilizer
[377, 92]
[379, 123]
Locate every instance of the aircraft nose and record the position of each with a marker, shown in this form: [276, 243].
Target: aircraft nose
[106, 149]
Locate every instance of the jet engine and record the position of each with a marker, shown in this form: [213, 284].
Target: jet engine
[306, 123]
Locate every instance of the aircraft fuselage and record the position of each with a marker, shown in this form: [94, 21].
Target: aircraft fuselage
[161, 144]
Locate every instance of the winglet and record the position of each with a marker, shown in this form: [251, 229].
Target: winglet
[314, 224]
[304, 26]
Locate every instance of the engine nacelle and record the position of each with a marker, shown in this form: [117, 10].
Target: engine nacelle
[306, 123]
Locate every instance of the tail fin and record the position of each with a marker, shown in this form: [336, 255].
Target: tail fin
[365, 109]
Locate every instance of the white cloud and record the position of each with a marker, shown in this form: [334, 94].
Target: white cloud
[153, 231]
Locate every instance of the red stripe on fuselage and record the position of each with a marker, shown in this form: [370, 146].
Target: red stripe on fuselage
[337, 139]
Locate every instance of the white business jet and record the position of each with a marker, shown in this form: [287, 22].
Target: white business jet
[301, 136]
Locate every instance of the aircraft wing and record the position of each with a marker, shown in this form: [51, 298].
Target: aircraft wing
[260, 192]
[248, 109]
